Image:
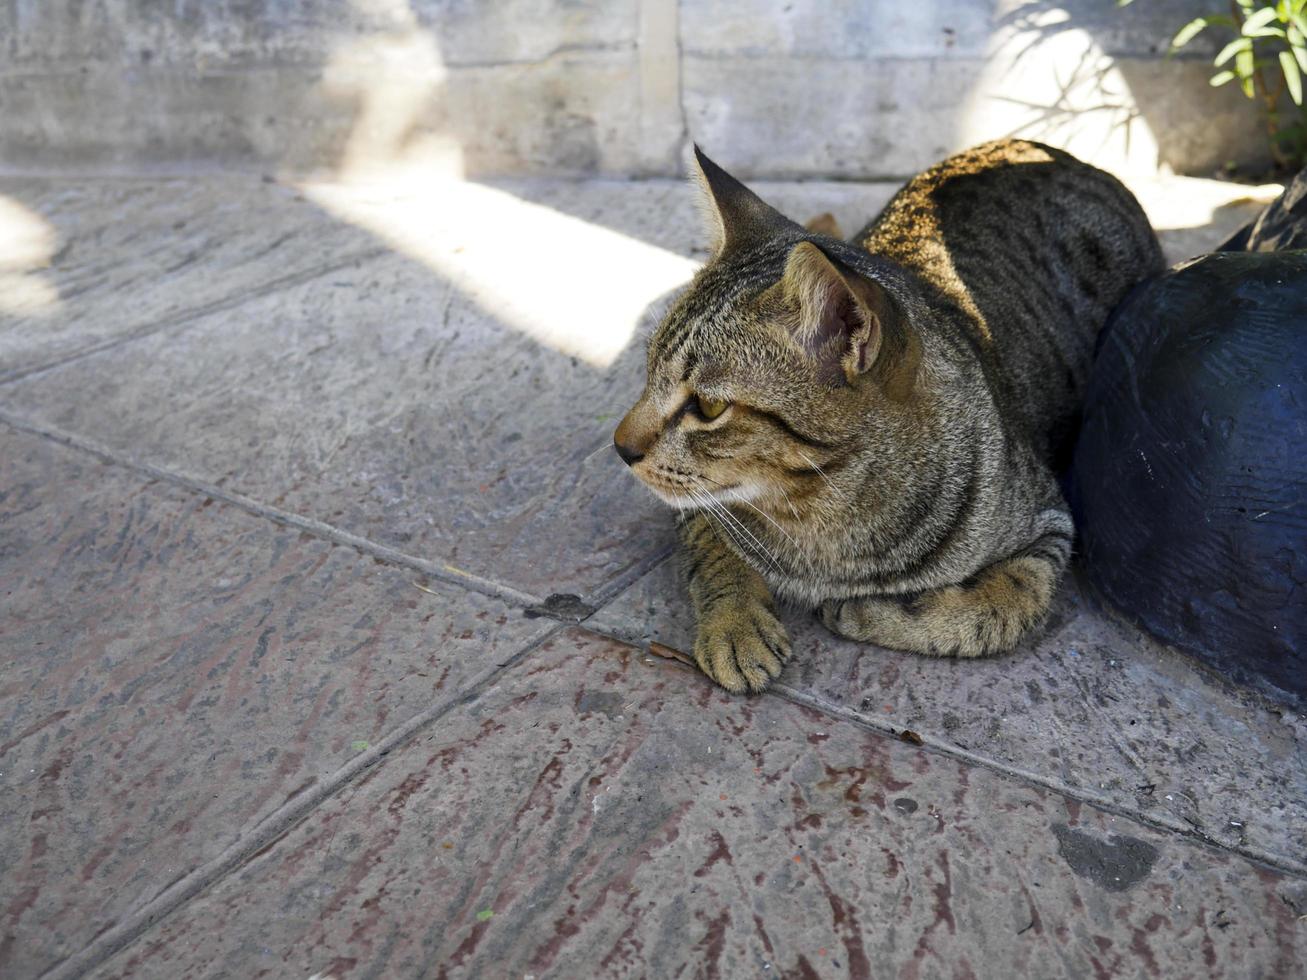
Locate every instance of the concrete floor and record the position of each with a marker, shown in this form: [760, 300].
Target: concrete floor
[289, 476]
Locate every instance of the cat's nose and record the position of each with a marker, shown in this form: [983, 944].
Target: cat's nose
[629, 456]
[632, 438]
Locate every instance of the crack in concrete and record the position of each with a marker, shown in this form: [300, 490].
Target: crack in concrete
[562, 50]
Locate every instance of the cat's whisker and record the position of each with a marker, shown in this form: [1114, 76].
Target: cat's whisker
[707, 504]
[767, 517]
[788, 502]
[820, 472]
[728, 516]
[607, 444]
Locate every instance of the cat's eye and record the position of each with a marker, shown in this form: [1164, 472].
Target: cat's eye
[710, 408]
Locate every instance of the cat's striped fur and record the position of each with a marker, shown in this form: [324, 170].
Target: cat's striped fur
[893, 405]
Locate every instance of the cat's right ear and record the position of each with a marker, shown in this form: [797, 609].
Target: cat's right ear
[736, 216]
[840, 316]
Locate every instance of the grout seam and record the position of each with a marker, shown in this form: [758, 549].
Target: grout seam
[614, 587]
[319, 529]
[272, 828]
[611, 591]
[1177, 828]
[1278, 863]
[188, 317]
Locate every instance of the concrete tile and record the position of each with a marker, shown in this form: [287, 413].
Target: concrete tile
[916, 105]
[890, 116]
[568, 113]
[1194, 215]
[174, 673]
[849, 31]
[89, 261]
[383, 401]
[1091, 705]
[562, 85]
[592, 814]
[864, 30]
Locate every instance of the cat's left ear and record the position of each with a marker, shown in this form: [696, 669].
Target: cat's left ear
[737, 217]
[841, 315]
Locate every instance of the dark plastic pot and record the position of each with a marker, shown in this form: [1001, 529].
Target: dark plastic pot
[1190, 474]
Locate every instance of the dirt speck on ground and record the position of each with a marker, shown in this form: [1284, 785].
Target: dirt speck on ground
[1116, 864]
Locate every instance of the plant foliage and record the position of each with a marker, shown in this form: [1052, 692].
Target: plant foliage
[1267, 57]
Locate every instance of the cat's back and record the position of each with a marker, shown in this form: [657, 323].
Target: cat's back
[1029, 249]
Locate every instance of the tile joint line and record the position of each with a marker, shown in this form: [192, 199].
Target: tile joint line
[184, 318]
[272, 828]
[1275, 862]
[319, 529]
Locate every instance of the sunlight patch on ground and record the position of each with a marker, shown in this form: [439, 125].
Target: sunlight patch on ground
[578, 288]
[1194, 215]
[27, 245]
[1197, 202]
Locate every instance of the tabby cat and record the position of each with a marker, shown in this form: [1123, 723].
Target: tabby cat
[870, 427]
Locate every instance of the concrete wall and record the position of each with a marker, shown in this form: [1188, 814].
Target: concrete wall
[847, 88]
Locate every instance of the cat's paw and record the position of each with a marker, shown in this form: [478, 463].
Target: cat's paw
[866, 619]
[742, 648]
[831, 614]
[987, 616]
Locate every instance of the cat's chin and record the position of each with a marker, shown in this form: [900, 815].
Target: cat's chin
[674, 499]
[742, 493]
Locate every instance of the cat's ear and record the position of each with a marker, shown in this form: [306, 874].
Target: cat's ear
[737, 217]
[840, 316]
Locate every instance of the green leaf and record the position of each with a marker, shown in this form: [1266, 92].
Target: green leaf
[1267, 32]
[1300, 54]
[485, 914]
[1259, 19]
[359, 746]
[1291, 76]
[1221, 77]
[1231, 49]
[1244, 65]
[1188, 32]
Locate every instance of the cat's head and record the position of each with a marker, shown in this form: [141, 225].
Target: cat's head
[768, 365]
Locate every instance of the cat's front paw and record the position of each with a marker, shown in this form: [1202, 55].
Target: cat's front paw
[742, 648]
